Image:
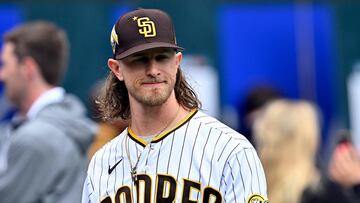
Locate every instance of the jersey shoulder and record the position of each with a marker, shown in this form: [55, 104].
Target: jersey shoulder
[226, 132]
[106, 149]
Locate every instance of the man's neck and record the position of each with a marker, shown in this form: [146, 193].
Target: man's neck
[33, 95]
[155, 120]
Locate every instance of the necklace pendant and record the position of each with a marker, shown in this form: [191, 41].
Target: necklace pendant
[133, 174]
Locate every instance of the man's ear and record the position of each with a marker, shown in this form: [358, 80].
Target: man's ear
[115, 68]
[31, 68]
[178, 58]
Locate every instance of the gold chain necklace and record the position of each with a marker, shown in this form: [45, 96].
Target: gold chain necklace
[134, 168]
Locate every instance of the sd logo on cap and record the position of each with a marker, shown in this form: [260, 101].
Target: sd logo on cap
[140, 30]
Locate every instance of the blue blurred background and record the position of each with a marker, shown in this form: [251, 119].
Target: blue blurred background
[304, 49]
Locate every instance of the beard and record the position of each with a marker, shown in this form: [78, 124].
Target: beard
[151, 96]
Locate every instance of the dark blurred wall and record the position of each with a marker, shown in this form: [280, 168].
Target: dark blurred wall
[89, 24]
[348, 32]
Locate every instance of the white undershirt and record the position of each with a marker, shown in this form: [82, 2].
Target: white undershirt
[147, 138]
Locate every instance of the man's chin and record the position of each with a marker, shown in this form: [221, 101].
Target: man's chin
[156, 98]
[154, 101]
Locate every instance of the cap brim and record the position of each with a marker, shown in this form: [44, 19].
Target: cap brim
[147, 46]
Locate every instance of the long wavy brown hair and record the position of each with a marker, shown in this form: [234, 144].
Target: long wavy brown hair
[113, 101]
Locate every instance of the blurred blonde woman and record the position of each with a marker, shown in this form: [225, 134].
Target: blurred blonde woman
[287, 136]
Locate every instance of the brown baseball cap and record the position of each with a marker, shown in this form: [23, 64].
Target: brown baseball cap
[140, 30]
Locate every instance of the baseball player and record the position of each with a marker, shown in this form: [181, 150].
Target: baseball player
[171, 151]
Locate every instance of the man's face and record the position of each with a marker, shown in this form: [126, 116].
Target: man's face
[12, 74]
[150, 75]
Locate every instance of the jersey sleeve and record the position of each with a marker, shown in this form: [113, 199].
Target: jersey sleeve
[244, 178]
[88, 192]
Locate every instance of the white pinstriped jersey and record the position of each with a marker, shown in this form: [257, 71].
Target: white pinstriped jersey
[201, 160]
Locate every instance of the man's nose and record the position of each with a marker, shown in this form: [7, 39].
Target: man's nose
[152, 68]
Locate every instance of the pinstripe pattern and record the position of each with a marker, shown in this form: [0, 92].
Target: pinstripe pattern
[116, 155]
[101, 169]
[109, 160]
[202, 156]
[201, 151]
[212, 158]
[192, 151]
[168, 165]
[182, 150]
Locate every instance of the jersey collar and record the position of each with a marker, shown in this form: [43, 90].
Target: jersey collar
[160, 137]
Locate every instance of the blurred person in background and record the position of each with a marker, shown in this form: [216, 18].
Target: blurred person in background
[250, 108]
[43, 151]
[344, 169]
[6, 109]
[287, 138]
[342, 183]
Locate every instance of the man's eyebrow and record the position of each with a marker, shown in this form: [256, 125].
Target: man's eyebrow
[137, 55]
[146, 54]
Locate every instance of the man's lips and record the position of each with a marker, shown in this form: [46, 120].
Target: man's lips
[152, 83]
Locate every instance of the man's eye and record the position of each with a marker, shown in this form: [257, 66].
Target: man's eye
[161, 57]
[141, 60]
